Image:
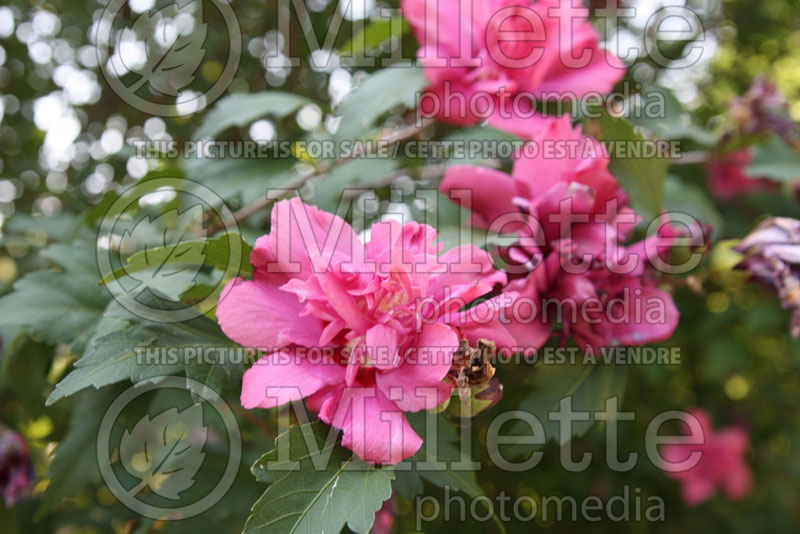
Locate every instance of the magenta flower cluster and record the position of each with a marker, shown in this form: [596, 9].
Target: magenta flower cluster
[338, 315]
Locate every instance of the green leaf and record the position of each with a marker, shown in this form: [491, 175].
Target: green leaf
[409, 476]
[481, 134]
[74, 258]
[358, 173]
[642, 178]
[241, 179]
[59, 307]
[589, 385]
[173, 348]
[174, 454]
[665, 116]
[61, 227]
[371, 36]
[74, 462]
[12, 338]
[242, 109]
[410, 473]
[393, 86]
[452, 236]
[776, 160]
[683, 197]
[25, 368]
[211, 253]
[165, 260]
[452, 222]
[314, 499]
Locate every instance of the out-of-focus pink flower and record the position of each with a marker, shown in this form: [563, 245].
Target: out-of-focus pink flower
[16, 471]
[384, 518]
[559, 163]
[340, 321]
[772, 256]
[548, 192]
[480, 55]
[727, 178]
[721, 465]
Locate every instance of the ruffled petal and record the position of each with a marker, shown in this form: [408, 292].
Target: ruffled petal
[411, 386]
[256, 313]
[373, 427]
[381, 346]
[490, 192]
[658, 321]
[286, 376]
[304, 239]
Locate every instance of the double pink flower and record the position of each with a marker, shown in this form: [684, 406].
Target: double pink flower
[586, 266]
[340, 322]
[480, 55]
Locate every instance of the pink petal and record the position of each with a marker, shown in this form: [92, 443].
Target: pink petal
[529, 334]
[344, 303]
[384, 518]
[486, 320]
[452, 100]
[304, 239]
[676, 453]
[286, 376]
[487, 192]
[411, 385]
[539, 171]
[381, 345]
[373, 426]
[494, 331]
[353, 365]
[465, 265]
[727, 178]
[331, 330]
[383, 238]
[697, 490]
[704, 420]
[602, 71]
[468, 273]
[738, 482]
[601, 74]
[439, 27]
[735, 440]
[654, 327]
[255, 313]
[262, 253]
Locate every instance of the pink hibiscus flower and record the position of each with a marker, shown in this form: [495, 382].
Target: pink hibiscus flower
[582, 273]
[481, 55]
[721, 464]
[340, 321]
[727, 178]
